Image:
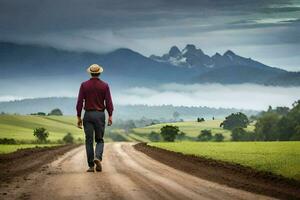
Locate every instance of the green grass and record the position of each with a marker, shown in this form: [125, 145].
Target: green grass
[20, 127]
[281, 158]
[192, 129]
[8, 148]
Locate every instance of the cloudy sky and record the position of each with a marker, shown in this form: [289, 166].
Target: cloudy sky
[266, 30]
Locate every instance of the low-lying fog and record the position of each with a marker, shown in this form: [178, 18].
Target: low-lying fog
[245, 96]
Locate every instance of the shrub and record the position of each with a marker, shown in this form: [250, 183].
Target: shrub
[68, 138]
[180, 136]
[7, 141]
[56, 111]
[200, 119]
[219, 137]
[154, 136]
[169, 133]
[205, 135]
[41, 134]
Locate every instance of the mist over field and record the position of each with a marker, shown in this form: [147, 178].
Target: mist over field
[244, 96]
[240, 96]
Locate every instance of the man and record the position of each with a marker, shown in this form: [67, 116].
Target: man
[95, 95]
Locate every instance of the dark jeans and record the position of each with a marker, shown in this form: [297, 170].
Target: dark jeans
[94, 125]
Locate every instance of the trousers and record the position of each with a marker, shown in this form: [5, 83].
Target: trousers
[94, 127]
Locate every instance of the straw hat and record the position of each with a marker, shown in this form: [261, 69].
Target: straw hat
[94, 69]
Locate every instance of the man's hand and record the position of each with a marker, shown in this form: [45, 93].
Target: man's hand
[109, 123]
[79, 122]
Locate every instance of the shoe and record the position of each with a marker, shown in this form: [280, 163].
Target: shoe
[98, 165]
[91, 169]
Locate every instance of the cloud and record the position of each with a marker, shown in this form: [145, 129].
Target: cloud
[151, 27]
[245, 96]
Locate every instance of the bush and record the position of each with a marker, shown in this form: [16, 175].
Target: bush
[39, 113]
[154, 136]
[56, 111]
[235, 120]
[41, 134]
[219, 137]
[169, 133]
[68, 138]
[237, 134]
[200, 119]
[181, 136]
[7, 141]
[79, 140]
[205, 135]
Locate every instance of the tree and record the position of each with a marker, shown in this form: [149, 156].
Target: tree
[219, 137]
[41, 134]
[296, 135]
[56, 111]
[154, 136]
[266, 127]
[240, 134]
[237, 134]
[169, 133]
[205, 135]
[235, 120]
[200, 119]
[68, 138]
[288, 124]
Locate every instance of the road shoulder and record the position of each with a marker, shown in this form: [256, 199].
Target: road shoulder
[232, 175]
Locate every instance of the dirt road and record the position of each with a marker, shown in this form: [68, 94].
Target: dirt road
[127, 174]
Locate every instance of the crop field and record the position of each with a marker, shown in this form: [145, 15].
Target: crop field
[20, 127]
[192, 129]
[8, 148]
[281, 158]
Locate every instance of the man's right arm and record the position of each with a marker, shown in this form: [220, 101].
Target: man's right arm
[79, 106]
[109, 105]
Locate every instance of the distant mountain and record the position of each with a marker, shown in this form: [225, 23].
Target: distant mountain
[67, 105]
[124, 67]
[228, 68]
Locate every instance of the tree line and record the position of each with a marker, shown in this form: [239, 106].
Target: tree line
[279, 124]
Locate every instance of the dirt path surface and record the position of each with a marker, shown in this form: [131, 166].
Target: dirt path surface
[127, 174]
[24, 161]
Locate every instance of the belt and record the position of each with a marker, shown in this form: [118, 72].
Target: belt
[88, 110]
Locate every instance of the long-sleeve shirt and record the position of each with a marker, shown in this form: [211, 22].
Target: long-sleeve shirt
[95, 95]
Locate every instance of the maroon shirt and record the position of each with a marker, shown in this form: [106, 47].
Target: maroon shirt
[95, 94]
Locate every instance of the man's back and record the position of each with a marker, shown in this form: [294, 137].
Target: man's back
[96, 96]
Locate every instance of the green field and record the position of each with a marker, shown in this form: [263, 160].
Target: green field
[192, 129]
[20, 127]
[281, 158]
[8, 148]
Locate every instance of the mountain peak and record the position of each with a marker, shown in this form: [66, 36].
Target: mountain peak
[174, 52]
[190, 47]
[229, 52]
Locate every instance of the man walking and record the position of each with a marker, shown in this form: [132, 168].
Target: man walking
[96, 97]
